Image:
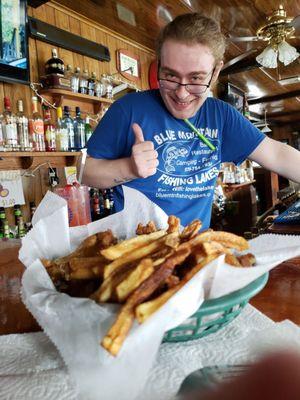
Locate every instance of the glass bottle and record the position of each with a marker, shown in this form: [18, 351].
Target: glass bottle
[22, 128]
[9, 126]
[36, 127]
[75, 80]
[6, 229]
[69, 72]
[2, 219]
[91, 84]
[83, 82]
[21, 232]
[99, 88]
[61, 133]
[68, 124]
[2, 142]
[55, 65]
[17, 213]
[79, 130]
[49, 129]
[88, 129]
[106, 80]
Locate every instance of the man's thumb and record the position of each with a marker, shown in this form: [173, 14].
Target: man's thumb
[138, 133]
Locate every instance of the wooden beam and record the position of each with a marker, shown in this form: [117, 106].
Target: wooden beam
[276, 97]
[284, 114]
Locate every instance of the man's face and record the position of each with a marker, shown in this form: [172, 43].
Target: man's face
[183, 63]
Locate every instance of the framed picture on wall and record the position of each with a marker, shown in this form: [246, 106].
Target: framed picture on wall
[235, 97]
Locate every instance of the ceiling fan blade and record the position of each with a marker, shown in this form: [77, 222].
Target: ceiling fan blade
[238, 58]
[296, 23]
[243, 38]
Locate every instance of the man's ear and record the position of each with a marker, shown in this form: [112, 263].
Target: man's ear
[218, 68]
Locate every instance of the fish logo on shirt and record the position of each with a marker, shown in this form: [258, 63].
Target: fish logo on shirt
[172, 153]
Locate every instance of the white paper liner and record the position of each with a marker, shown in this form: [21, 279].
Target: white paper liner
[76, 326]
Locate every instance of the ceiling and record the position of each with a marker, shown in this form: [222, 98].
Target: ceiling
[237, 18]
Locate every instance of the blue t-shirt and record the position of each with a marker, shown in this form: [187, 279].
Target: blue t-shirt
[184, 182]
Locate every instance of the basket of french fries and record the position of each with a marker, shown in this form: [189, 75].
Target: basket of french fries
[142, 273]
[107, 293]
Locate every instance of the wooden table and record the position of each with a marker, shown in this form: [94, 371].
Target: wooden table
[279, 300]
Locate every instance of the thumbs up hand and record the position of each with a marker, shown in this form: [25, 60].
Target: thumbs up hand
[143, 156]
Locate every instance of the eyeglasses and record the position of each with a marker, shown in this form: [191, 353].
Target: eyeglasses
[192, 88]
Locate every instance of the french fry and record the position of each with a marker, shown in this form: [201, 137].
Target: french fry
[86, 262]
[144, 310]
[191, 230]
[116, 335]
[140, 252]
[134, 279]
[227, 239]
[149, 228]
[174, 224]
[118, 250]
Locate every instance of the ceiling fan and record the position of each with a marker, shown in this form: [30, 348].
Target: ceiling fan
[275, 31]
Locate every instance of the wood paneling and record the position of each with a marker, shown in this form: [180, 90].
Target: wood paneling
[52, 13]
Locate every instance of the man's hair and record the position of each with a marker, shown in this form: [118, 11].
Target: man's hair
[194, 28]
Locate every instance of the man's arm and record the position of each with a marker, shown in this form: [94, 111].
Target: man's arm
[104, 174]
[278, 157]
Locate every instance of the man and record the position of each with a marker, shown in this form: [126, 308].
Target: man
[145, 140]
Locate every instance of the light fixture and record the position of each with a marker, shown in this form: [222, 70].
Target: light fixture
[276, 31]
[265, 128]
[284, 51]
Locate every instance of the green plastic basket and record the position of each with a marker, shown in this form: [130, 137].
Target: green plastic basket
[215, 313]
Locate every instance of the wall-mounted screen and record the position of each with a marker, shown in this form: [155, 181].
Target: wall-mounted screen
[14, 60]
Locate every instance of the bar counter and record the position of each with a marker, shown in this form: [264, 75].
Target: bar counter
[279, 300]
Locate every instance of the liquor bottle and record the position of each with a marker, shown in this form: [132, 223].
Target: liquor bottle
[17, 213]
[36, 127]
[6, 230]
[55, 65]
[2, 142]
[21, 232]
[68, 124]
[79, 130]
[75, 80]
[91, 84]
[61, 133]
[107, 209]
[99, 88]
[49, 129]
[9, 126]
[106, 80]
[111, 200]
[69, 72]
[88, 129]
[2, 219]
[83, 82]
[22, 128]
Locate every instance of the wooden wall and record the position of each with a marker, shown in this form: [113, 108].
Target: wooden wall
[40, 52]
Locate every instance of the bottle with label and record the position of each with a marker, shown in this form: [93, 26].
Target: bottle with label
[83, 82]
[91, 84]
[6, 229]
[2, 219]
[9, 126]
[75, 80]
[22, 128]
[21, 231]
[17, 213]
[69, 72]
[68, 124]
[99, 88]
[55, 65]
[36, 127]
[79, 130]
[87, 129]
[61, 133]
[107, 209]
[49, 129]
[106, 80]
